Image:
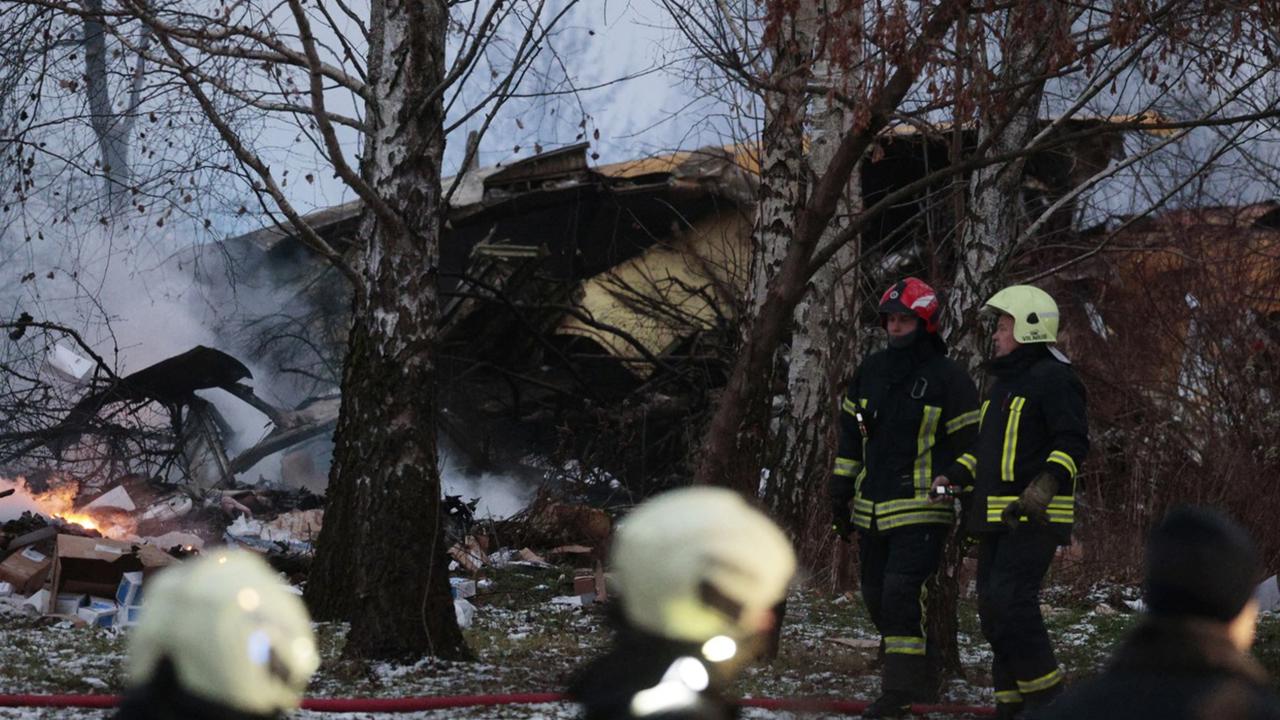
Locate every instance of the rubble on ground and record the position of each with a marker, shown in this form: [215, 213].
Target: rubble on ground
[82, 556]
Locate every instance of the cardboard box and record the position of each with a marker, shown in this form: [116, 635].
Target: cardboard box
[26, 570]
[129, 591]
[39, 600]
[95, 566]
[462, 588]
[98, 617]
[128, 616]
[69, 603]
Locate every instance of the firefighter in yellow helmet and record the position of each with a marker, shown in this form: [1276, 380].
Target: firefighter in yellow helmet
[699, 572]
[220, 638]
[1021, 476]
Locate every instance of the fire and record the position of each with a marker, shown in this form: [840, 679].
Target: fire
[58, 502]
[84, 521]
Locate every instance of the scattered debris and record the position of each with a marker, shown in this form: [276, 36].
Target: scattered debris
[470, 555]
[1268, 594]
[462, 588]
[116, 498]
[465, 611]
[96, 566]
[858, 643]
[26, 570]
[532, 557]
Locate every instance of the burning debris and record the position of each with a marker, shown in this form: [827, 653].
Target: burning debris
[86, 557]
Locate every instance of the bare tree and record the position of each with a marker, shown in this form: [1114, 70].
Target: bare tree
[374, 95]
[978, 80]
[916, 77]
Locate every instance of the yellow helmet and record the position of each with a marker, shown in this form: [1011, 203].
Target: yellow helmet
[697, 563]
[1035, 314]
[233, 632]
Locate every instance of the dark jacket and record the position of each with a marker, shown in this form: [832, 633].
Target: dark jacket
[1173, 669]
[163, 698]
[1033, 421]
[607, 687]
[919, 411]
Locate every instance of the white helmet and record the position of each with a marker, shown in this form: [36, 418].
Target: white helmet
[697, 563]
[234, 633]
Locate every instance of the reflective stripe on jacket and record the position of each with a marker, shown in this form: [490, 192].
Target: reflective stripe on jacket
[1033, 421]
[907, 414]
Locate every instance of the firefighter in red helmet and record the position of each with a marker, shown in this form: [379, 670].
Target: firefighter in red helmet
[909, 412]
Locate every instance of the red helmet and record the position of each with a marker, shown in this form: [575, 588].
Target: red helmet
[915, 297]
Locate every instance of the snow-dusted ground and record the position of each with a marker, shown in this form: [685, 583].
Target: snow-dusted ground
[527, 644]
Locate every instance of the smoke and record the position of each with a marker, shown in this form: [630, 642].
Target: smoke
[22, 500]
[500, 496]
[132, 292]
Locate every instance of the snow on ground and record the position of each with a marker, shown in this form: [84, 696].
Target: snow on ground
[526, 644]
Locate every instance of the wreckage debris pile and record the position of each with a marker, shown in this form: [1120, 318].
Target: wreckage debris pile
[86, 559]
[89, 580]
[72, 570]
[575, 536]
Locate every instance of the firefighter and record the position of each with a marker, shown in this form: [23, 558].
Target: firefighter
[909, 412]
[220, 638]
[1189, 657]
[699, 572]
[1020, 476]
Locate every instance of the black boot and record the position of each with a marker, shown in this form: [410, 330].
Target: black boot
[1008, 711]
[1033, 701]
[891, 704]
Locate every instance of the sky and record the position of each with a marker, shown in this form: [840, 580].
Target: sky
[612, 65]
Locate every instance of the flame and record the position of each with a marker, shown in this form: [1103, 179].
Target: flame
[84, 521]
[59, 502]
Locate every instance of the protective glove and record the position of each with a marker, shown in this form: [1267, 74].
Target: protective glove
[841, 522]
[1033, 502]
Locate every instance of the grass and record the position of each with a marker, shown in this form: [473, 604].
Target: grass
[526, 644]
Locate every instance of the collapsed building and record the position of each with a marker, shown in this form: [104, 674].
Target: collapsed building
[588, 313]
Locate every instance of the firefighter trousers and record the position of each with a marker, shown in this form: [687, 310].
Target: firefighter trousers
[1011, 569]
[894, 567]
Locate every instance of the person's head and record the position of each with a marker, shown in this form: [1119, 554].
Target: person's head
[700, 565]
[1201, 564]
[230, 632]
[907, 308]
[1025, 314]
[1002, 339]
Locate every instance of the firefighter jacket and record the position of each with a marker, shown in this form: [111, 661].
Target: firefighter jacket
[162, 697]
[1032, 422]
[908, 413]
[1173, 669]
[635, 680]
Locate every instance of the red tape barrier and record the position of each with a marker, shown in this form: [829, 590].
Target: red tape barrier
[418, 704]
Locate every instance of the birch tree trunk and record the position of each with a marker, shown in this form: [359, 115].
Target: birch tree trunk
[994, 217]
[783, 192]
[824, 326]
[995, 212]
[741, 417]
[111, 126]
[381, 526]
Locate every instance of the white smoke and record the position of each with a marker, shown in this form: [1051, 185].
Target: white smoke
[21, 501]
